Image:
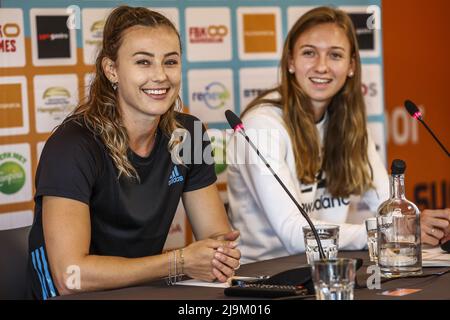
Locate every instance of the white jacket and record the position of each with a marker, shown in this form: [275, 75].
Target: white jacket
[269, 222]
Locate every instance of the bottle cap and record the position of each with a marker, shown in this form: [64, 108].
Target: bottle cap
[398, 166]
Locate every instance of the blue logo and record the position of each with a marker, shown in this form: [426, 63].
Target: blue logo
[175, 176]
[215, 95]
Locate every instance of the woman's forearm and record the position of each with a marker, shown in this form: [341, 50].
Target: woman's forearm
[93, 273]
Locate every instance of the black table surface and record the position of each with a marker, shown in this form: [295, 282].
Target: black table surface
[432, 284]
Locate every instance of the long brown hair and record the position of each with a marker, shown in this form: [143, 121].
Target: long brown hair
[100, 112]
[344, 157]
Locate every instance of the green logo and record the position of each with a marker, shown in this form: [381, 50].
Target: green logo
[219, 153]
[12, 177]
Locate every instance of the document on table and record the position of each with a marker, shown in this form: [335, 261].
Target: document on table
[199, 283]
[435, 257]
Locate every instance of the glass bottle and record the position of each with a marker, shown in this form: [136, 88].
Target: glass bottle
[398, 226]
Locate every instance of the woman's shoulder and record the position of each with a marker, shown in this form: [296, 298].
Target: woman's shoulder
[264, 111]
[188, 121]
[267, 108]
[70, 134]
[185, 117]
[264, 115]
[72, 127]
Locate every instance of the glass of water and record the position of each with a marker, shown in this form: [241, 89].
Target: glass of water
[334, 279]
[329, 237]
[372, 238]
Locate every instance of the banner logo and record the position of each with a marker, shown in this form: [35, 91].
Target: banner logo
[53, 37]
[254, 81]
[11, 114]
[93, 21]
[372, 88]
[55, 97]
[210, 34]
[12, 174]
[8, 31]
[15, 173]
[259, 33]
[53, 42]
[366, 20]
[56, 100]
[13, 106]
[208, 31]
[12, 177]
[215, 95]
[96, 35]
[12, 45]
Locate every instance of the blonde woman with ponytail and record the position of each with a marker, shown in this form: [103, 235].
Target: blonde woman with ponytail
[108, 183]
[316, 120]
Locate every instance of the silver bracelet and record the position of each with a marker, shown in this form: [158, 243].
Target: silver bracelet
[175, 263]
[180, 276]
[169, 276]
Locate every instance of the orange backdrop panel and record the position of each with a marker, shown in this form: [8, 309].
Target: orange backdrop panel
[416, 36]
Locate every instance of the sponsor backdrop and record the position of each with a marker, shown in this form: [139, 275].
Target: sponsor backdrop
[231, 53]
[417, 68]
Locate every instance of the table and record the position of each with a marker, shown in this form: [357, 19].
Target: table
[434, 287]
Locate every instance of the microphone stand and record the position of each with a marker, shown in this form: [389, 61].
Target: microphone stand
[415, 113]
[432, 134]
[305, 215]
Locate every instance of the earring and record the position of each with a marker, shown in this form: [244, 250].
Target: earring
[114, 85]
[291, 70]
[350, 74]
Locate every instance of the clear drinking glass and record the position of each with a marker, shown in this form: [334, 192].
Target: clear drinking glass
[372, 239]
[334, 279]
[329, 237]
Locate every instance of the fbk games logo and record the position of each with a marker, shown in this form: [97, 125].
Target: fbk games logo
[214, 96]
[8, 34]
[12, 47]
[12, 174]
[211, 34]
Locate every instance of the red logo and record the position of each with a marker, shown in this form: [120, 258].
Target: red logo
[8, 31]
[210, 34]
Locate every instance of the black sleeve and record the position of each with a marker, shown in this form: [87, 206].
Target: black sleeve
[202, 173]
[69, 164]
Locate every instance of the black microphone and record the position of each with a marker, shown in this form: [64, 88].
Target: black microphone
[236, 124]
[416, 114]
